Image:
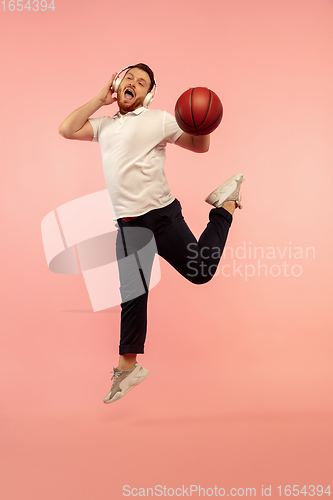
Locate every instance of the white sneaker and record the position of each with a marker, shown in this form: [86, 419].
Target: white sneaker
[124, 381]
[228, 191]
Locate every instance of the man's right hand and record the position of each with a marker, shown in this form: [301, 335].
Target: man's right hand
[77, 125]
[105, 94]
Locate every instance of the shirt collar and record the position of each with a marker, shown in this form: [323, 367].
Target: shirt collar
[137, 111]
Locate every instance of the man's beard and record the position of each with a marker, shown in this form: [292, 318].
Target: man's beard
[127, 106]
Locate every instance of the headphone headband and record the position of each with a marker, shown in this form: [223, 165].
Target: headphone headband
[149, 97]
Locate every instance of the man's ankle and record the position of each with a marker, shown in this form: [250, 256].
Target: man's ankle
[126, 362]
[230, 206]
[123, 368]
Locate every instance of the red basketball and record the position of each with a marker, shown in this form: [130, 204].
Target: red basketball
[198, 111]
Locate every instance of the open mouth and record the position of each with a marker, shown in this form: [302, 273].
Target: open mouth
[128, 95]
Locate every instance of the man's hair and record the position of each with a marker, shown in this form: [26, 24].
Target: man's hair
[147, 70]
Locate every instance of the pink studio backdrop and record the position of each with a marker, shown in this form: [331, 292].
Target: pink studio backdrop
[240, 384]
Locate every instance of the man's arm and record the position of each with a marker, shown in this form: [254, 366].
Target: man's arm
[76, 125]
[198, 144]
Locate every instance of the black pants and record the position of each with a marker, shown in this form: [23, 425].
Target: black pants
[196, 260]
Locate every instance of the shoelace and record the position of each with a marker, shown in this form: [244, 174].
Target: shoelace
[115, 376]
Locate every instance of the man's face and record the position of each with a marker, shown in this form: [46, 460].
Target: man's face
[132, 90]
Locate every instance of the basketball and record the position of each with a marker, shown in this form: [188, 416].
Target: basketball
[198, 111]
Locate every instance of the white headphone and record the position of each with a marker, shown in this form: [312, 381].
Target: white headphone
[149, 97]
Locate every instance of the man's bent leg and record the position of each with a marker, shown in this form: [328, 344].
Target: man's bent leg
[196, 260]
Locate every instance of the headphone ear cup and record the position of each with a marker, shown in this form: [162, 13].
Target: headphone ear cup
[148, 99]
[116, 84]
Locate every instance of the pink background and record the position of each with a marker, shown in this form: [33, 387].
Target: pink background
[240, 386]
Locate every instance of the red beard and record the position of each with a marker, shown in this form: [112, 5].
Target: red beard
[126, 107]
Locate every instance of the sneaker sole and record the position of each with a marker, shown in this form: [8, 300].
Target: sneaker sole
[128, 385]
[225, 190]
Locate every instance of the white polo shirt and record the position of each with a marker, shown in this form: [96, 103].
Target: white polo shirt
[133, 155]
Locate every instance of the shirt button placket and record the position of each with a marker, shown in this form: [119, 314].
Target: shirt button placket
[120, 123]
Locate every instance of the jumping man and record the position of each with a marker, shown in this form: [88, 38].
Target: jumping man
[133, 146]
